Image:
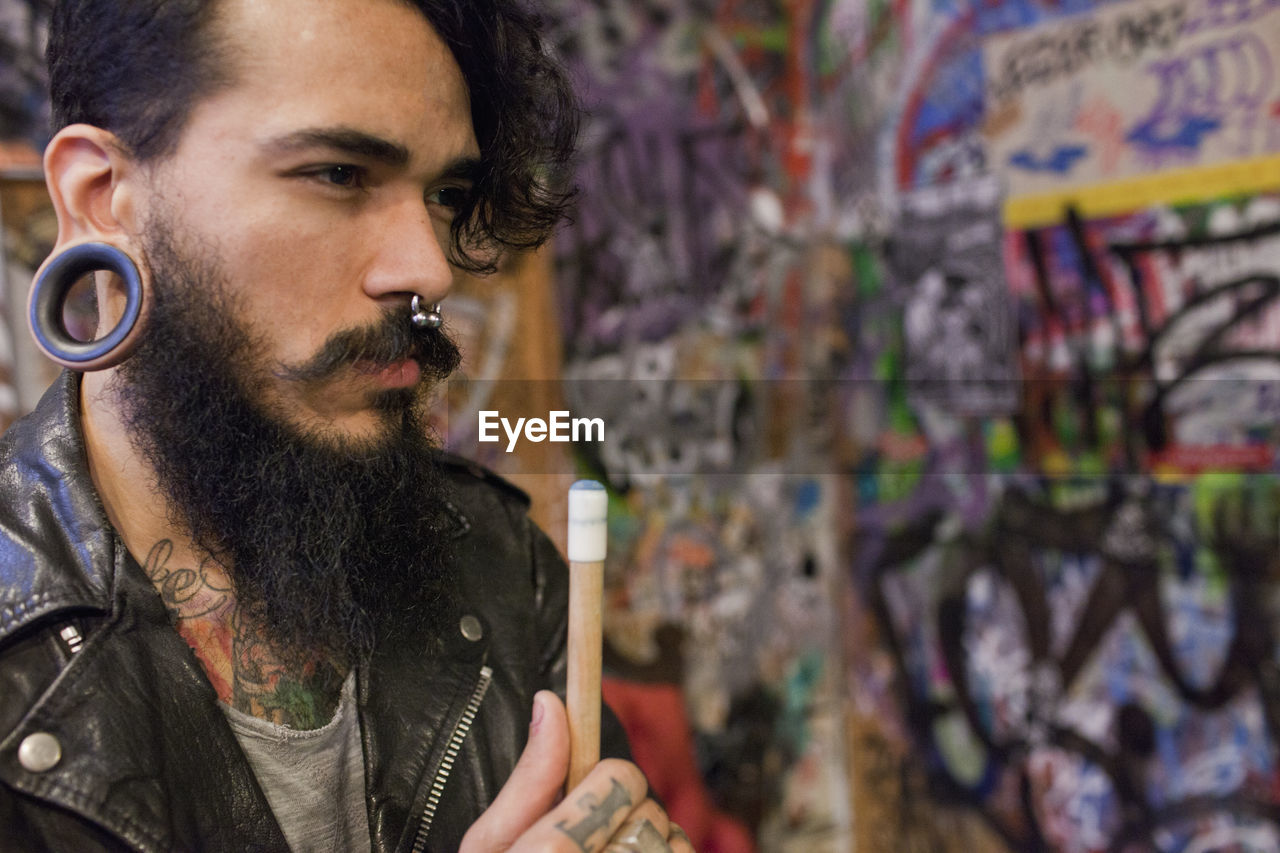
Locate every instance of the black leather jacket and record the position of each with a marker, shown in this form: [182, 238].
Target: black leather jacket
[147, 760]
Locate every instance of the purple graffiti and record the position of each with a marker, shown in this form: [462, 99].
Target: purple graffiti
[1217, 85]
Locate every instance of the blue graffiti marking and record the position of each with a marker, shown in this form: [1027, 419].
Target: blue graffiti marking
[1160, 134]
[1060, 161]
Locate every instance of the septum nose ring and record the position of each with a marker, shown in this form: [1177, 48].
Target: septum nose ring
[424, 318]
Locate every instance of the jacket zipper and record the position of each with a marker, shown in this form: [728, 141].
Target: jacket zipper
[451, 751]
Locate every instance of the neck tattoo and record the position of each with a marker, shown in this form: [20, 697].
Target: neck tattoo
[247, 671]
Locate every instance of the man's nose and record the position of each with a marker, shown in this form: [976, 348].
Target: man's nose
[409, 255]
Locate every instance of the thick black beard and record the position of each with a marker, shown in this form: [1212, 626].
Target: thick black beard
[329, 541]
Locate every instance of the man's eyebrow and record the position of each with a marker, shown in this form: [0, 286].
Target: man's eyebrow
[355, 143]
[464, 168]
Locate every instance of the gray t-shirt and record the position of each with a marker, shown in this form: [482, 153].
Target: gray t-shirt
[314, 780]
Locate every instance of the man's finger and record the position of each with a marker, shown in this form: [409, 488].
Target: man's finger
[534, 784]
[678, 840]
[649, 811]
[592, 812]
[638, 836]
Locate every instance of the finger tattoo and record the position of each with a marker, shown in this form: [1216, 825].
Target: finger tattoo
[599, 814]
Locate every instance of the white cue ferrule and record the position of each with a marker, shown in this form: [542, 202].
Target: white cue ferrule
[588, 521]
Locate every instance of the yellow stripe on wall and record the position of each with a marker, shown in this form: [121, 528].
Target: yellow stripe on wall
[1176, 186]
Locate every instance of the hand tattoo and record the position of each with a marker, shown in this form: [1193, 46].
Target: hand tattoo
[598, 815]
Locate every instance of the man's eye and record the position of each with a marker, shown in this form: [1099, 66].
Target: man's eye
[454, 198]
[342, 176]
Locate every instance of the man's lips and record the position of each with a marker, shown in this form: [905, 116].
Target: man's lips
[397, 374]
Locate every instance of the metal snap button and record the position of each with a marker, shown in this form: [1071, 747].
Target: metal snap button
[39, 752]
[471, 628]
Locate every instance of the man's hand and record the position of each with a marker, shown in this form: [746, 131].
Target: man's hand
[609, 810]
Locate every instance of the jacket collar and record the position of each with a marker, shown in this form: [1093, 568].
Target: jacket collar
[124, 746]
[57, 549]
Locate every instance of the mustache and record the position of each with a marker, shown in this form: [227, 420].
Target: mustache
[391, 339]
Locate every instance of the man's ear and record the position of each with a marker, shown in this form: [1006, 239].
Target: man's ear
[91, 178]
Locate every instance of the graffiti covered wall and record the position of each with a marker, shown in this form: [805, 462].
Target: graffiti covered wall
[955, 324]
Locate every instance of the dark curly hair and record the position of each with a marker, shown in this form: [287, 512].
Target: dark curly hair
[137, 67]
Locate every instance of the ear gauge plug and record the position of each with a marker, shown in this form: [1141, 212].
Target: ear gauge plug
[49, 291]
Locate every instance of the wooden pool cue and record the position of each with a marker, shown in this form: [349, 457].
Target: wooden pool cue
[588, 514]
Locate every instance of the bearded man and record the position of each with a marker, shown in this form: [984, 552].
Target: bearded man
[244, 603]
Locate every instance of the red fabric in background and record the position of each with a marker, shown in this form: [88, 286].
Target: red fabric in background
[662, 742]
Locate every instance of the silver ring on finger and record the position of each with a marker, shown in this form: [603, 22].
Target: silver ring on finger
[639, 837]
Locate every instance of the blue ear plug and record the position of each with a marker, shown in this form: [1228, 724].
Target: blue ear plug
[49, 292]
